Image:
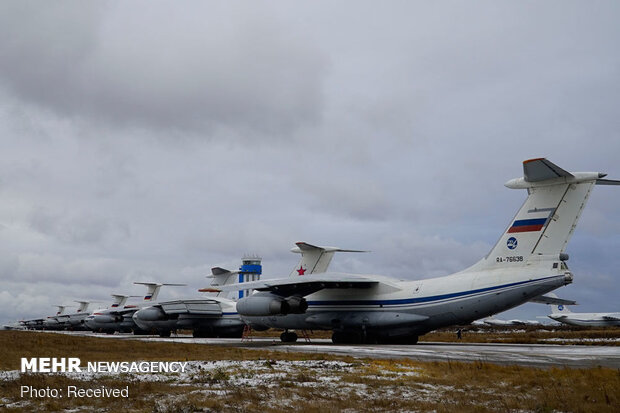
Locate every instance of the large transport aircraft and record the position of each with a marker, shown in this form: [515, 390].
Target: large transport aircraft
[562, 314]
[118, 317]
[527, 262]
[212, 316]
[75, 321]
[216, 315]
[57, 321]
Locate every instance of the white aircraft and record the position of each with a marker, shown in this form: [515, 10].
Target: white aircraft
[119, 316]
[496, 322]
[56, 321]
[562, 314]
[215, 315]
[75, 321]
[527, 262]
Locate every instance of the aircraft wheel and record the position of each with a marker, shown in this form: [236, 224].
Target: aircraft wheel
[164, 333]
[288, 337]
[109, 331]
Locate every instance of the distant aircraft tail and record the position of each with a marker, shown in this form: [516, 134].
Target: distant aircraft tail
[83, 306]
[220, 277]
[314, 259]
[152, 290]
[544, 224]
[559, 309]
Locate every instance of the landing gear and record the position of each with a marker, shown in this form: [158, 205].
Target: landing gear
[288, 337]
[164, 333]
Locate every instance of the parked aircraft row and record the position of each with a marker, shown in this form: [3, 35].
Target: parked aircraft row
[528, 261]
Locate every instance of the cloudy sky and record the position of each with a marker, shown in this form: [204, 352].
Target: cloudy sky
[150, 142]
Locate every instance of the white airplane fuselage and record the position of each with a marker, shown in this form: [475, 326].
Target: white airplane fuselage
[455, 299]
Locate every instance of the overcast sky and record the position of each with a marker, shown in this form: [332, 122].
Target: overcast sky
[150, 142]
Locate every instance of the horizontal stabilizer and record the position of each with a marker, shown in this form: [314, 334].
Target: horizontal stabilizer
[547, 299]
[305, 247]
[541, 169]
[221, 271]
[607, 182]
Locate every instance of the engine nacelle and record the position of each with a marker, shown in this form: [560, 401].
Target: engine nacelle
[104, 318]
[297, 305]
[266, 304]
[262, 305]
[150, 314]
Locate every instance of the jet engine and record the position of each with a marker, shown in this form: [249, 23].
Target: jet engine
[150, 314]
[107, 318]
[261, 304]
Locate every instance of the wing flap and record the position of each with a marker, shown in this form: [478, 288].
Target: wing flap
[203, 307]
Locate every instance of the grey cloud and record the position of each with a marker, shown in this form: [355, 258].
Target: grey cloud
[159, 141]
[199, 71]
[78, 227]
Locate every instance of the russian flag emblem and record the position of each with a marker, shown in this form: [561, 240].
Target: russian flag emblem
[528, 225]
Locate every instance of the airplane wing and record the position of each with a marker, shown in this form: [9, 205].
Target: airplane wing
[197, 306]
[306, 285]
[548, 299]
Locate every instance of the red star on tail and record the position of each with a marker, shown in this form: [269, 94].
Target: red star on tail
[301, 271]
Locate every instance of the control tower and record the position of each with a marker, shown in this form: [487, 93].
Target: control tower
[250, 270]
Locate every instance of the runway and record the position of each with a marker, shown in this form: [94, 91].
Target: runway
[537, 355]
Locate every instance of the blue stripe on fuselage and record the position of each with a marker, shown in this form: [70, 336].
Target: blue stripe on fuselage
[421, 299]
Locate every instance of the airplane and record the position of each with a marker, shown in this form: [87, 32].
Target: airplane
[213, 316]
[496, 322]
[18, 325]
[75, 321]
[216, 316]
[33, 323]
[562, 314]
[119, 316]
[528, 261]
[57, 321]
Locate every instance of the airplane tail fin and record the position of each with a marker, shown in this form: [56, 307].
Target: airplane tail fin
[152, 290]
[83, 306]
[121, 299]
[220, 277]
[543, 226]
[314, 259]
[559, 309]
